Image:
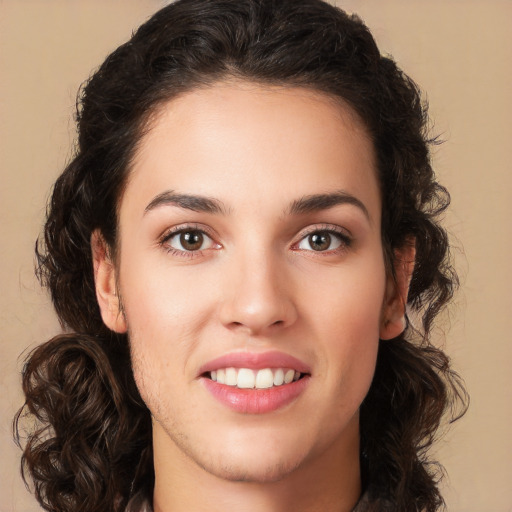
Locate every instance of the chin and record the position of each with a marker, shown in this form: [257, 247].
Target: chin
[259, 455]
[242, 459]
[253, 471]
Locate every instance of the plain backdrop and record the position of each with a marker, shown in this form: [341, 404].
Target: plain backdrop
[459, 51]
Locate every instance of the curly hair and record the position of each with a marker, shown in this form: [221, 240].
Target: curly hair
[89, 447]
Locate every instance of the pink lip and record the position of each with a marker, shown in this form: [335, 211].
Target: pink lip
[255, 361]
[255, 401]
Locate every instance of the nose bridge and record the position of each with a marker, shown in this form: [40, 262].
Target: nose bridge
[260, 294]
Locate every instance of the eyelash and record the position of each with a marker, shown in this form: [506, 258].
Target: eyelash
[170, 234]
[341, 235]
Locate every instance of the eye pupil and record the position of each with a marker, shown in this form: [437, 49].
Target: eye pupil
[191, 240]
[320, 241]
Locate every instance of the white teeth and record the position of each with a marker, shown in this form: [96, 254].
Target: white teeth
[278, 377]
[230, 377]
[246, 378]
[288, 376]
[264, 379]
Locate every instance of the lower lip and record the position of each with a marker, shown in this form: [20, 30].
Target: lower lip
[256, 401]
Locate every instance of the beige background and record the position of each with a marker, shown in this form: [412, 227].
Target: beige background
[459, 51]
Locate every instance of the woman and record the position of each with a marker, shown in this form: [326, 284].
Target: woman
[250, 211]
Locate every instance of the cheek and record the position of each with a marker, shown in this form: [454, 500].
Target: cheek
[346, 303]
[162, 318]
[345, 313]
[158, 298]
[351, 348]
[167, 310]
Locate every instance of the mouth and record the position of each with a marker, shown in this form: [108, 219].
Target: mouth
[255, 383]
[248, 378]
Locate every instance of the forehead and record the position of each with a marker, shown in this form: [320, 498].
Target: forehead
[242, 142]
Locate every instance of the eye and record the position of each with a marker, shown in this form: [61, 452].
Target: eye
[189, 240]
[321, 241]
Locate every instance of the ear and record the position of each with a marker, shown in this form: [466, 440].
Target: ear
[393, 321]
[105, 282]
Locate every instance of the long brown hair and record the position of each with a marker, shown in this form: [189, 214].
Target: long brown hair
[89, 448]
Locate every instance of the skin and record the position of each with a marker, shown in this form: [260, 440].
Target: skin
[256, 285]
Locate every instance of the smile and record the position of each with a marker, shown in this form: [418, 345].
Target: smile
[255, 383]
[247, 378]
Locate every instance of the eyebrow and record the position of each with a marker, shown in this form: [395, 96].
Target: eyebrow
[306, 204]
[187, 201]
[318, 202]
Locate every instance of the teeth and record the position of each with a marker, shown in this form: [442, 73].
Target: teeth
[230, 377]
[264, 379]
[288, 376]
[278, 377]
[245, 378]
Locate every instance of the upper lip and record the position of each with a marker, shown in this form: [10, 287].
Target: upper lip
[255, 361]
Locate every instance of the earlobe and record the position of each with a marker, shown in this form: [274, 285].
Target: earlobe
[393, 321]
[105, 283]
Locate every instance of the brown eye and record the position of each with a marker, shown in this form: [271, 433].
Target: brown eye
[190, 240]
[322, 241]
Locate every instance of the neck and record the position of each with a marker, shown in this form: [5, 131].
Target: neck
[330, 482]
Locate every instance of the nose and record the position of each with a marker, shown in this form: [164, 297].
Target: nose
[259, 296]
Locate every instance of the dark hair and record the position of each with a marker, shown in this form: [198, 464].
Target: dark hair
[91, 447]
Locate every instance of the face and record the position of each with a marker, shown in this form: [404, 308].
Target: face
[252, 280]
